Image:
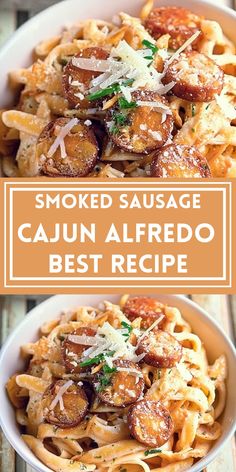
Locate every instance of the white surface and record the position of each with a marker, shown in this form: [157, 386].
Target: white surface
[17, 52]
[211, 334]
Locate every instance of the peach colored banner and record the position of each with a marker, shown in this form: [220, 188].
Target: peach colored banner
[87, 236]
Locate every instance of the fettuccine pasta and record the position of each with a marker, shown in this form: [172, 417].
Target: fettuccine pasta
[152, 96]
[119, 388]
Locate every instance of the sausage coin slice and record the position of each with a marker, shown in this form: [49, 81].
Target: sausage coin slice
[177, 160]
[125, 385]
[150, 423]
[197, 77]
[76, 158]
[73, 352]
[76, 81]
[161, 349]
[64, 407]
[146, 308]
[143, 128]
[178, 22]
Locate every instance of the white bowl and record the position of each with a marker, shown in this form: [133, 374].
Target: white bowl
[17, 52]
[216, 343]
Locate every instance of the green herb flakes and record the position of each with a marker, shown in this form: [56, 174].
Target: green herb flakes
[150, 45]
[109, 90]
[124, 104]
[152, 451]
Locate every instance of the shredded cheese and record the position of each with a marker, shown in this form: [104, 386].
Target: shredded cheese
[60, 394]
[84, 340]
[108, 339]
[64, 131]
[151, 328]
[182, 48]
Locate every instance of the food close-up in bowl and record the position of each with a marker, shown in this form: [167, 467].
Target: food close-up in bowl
[152, 95]
[125, 384]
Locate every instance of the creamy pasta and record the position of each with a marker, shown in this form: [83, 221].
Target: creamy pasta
[136, 97]
[119, 388]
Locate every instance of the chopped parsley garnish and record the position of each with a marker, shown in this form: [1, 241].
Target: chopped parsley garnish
[96, 360]
[105, 377]
[128, 327]
[64, 61]
[114, 130]
[150, 45]
[152, 451]
[62, 337]
[193, 130]
[108, 370]
[120, 119]
[193, 109]
[207, 106]
[123, 103]
[103, 383]
[109, 90]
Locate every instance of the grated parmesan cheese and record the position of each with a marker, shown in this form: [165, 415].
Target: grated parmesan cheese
[64, 131]
[182, 48]
[150, 328]
[60, 394]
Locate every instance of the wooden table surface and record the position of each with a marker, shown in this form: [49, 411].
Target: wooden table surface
[14, 308]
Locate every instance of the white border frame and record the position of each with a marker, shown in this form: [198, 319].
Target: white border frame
[131, 186]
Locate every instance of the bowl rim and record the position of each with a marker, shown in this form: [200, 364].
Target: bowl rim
[14, 36]
[30, 316]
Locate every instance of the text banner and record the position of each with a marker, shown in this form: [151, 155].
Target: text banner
[96, 235]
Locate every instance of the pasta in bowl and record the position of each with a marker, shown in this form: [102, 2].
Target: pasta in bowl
[151, 95]
[122, 386]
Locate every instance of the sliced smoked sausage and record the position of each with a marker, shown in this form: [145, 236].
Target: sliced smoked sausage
[72, 352]
[76, 81]
[197, 77]
[161, 349]
[150, 423]
[143, 128]
[64, 404]
[146, 308]
[178, 160]
[178, 22]
[76, 153]
[125, 385]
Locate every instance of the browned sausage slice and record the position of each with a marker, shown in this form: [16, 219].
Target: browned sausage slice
[144, 128]
[161, 348]
[197, 77]
[76, 81]
[144, 307]
[73, 352]
[65, 404]
[125, 385]
[178, 22]
[177, 160]
[150, 423]
[78, 155]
